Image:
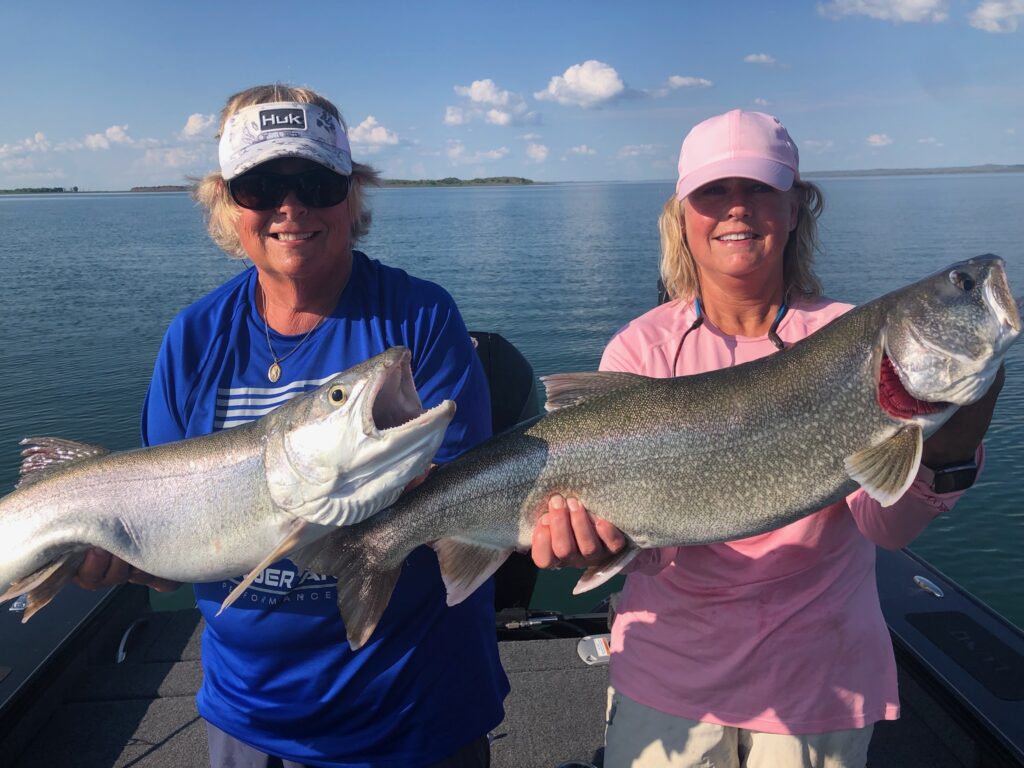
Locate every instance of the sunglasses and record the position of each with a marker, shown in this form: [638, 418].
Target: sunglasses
[261, 191]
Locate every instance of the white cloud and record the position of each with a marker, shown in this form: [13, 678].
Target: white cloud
[492, 104]
[931, 141]
[97, 141]
[589, 84]
[457, 153]
[817, 145]
[498, 117]
[676, 82]
[759, 58]
[583, 149]
[879, 140]
[538, 153]
[638, 150]
[914, 11]
[456, 150]
[485, 92]
[37, 142]
[24, 159]
[199, 126]
[174, 157]
[531, 137]
[997, 15]
[455, 116]
[118, 134]
[679, 81]
[370, 136]
[115, 134]
[759, 102]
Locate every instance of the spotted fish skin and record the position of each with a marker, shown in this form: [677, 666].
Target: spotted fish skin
[699, 459]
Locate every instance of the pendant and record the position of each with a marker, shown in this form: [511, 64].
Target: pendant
[274, 372]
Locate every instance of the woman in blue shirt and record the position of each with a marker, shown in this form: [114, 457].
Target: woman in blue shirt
[281, 686]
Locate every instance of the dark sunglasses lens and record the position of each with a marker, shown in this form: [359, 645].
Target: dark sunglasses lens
[257, 191]
[321, 188]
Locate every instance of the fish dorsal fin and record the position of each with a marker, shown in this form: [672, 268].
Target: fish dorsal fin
[885, 471]
[43, 455]
[465, 565]
[597, 575]
[565, 389]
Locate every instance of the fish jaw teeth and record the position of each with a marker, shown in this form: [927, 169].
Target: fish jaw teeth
[292, 236]
[737, 236]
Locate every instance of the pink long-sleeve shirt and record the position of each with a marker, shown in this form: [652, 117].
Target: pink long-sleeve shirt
[781, 632]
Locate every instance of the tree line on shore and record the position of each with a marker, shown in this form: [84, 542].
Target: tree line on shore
[37, 190]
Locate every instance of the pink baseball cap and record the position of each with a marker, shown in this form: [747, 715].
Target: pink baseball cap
[750, 145]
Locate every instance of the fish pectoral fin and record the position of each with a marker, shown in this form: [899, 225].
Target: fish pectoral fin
[465, 565]
[43, 455]
[597, 575]
[292, 539]
[363, 594]
[565, 389]
[43, 585]
[364, 585]
[885, 471]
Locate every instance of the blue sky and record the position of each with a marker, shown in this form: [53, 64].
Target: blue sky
[109, 95]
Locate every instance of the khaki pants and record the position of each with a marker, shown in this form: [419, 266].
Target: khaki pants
[641, 737]
[228, 752]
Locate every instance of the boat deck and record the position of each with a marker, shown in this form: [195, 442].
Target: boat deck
[141, 712]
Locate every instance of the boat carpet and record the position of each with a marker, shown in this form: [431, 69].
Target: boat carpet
[141, 713]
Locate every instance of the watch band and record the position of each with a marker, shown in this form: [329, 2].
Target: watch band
[954, 477]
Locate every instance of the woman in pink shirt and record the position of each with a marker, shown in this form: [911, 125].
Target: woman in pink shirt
[771, 650]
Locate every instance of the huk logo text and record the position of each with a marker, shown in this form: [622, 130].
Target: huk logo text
[277, 119]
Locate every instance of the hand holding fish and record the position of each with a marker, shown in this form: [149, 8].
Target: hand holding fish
[570, 536]
[100, 570]
[958, 439]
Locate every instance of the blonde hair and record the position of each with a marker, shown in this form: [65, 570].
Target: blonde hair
[679, 270]
[211, 191]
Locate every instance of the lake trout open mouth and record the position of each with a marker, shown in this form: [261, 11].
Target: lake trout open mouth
[229, 503]
[698, 459]
[393, 401]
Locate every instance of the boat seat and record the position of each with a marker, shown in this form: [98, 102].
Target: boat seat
[513, 399]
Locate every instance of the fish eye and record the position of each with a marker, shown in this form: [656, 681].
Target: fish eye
[337, 394]
[962, 280]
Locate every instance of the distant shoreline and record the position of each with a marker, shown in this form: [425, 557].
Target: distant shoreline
[451, 181]
[517, 181]
[949, 171]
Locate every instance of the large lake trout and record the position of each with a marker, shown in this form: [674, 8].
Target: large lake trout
[228, 503]
[700, 459]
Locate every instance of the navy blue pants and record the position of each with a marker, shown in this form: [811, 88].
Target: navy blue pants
[228, 752]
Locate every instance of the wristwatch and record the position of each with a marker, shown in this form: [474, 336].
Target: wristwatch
[954, 477]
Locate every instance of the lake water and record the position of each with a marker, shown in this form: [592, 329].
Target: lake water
[91, 281]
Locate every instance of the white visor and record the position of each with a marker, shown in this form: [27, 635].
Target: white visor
[263, 132]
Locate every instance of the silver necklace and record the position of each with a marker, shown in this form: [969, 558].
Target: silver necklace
[274, 371]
